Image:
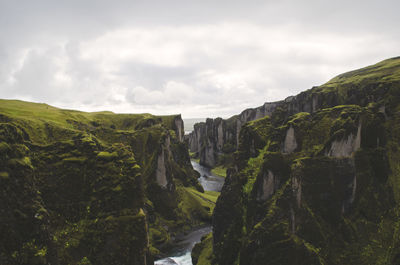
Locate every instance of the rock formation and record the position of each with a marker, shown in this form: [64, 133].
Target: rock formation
[317, 180]
[217, 136]
[92, 188]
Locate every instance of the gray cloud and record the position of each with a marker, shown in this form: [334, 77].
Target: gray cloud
[199, 58]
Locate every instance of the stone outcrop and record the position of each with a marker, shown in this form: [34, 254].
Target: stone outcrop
[268, 186]
[91, 188]
[303, 193]
[345, 146]
[161, 172]
[163, 157]
[317, 181]
[218, 133]
[289, 144]
[179, 128]
[218, 136]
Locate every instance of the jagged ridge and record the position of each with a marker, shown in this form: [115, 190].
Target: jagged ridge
[317, 181]
[92, 188]
[217, 138]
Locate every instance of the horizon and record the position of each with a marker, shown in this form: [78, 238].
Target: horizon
[195, 59]
[193, 118]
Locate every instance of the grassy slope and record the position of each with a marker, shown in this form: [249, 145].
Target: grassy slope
[34, 117]
[383, 72]
[219, 171]
[52, 131]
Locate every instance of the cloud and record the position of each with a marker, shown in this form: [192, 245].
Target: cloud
[200, 59]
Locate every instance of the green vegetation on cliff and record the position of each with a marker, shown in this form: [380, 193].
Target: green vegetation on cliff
[93, 188]
[219, 171]
[202, 252]
[317, 181]
[385, 72]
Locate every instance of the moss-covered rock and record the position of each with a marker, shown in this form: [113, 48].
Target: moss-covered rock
[81, 188]
[203, 251]
[317, 181]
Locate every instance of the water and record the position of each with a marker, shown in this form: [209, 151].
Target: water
[181, 254]
[207, 179]
[189, 124]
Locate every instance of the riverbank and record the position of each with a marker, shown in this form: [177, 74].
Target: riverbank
[180, 254]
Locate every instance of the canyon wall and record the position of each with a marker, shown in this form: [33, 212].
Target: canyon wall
[92, 188]
[210, 139]
[317, 181]
[213, 139]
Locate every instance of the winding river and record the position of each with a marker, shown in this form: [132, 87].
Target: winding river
[181, 254]
[207, 179]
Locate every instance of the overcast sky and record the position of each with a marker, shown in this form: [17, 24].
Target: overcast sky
[199, 58]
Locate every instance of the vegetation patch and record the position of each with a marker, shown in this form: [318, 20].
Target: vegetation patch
[202, 253]
[219, 171]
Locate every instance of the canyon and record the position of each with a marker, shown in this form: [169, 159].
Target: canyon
[311, 179]
[315, 181]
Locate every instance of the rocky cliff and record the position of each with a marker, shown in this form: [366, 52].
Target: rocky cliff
[92, 188]
[317, 180]
[216, 139]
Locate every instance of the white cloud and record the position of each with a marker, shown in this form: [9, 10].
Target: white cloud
[200, 60]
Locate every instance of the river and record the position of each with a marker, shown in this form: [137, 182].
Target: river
[181, 254]
[207, 179]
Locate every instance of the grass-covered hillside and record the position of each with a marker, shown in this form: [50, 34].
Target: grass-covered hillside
[318, 180]
[93, 188]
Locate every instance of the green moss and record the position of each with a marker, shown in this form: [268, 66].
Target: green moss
[196, 205]
[299, 117]
[209, 196]
[194, 157]
[4, 147]
[319, 212]
[385, 71]
[84, 261]
[107, 156]
[252, 170]
[202, 253]
[94, 172]
[79, 160]
[219, 171]
[393, 129]
[154, 251]
[117, 188]
[141, 213]
[44, 123]
[158, 236]
[4, 175]
[20, 162]
[272, 203]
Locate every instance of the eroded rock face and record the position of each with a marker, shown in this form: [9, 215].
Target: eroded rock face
[194, 139]
[208, 157]
[309, 101]
[219, 136]
[163, 157]
[315, 186]
[179, 128]
[161, 173]
[90, 194]
[66, 186]
[268, 186]
[296, 188]
[346, 146]
[290, 144]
